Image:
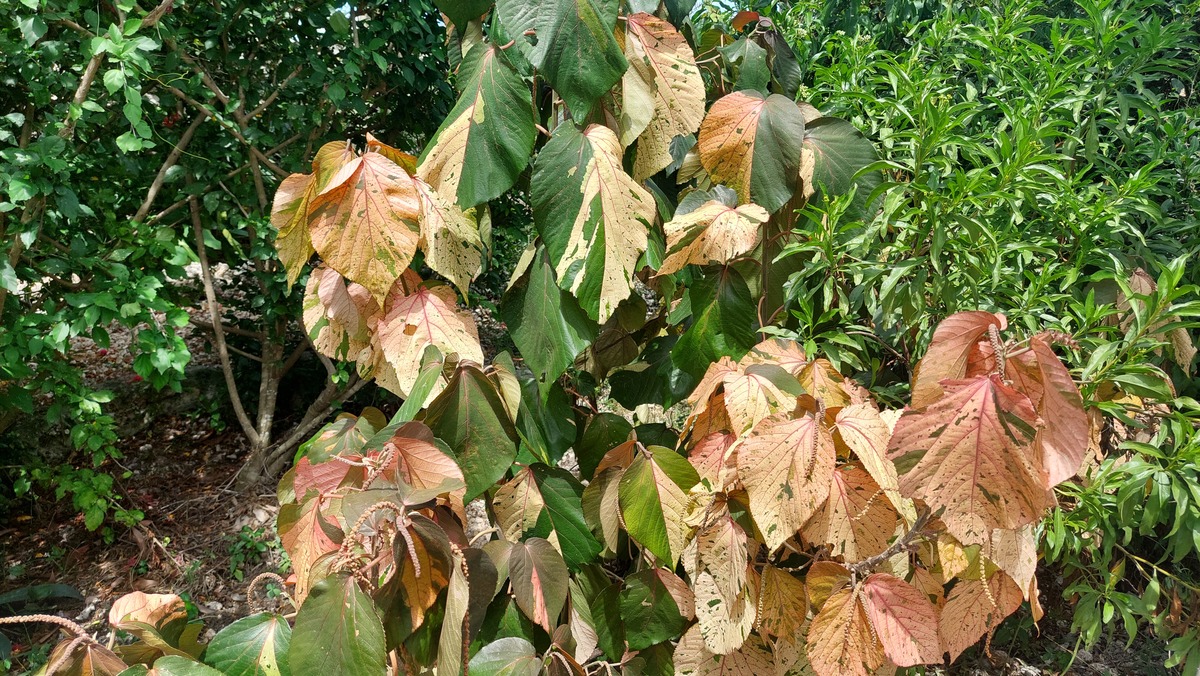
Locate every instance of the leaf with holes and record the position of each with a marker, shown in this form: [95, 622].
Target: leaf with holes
[662, 92]
[427, 316]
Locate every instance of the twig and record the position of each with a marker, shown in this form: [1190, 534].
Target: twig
[237, 331]
[903, 544]
[172, 158]
[274, 95]
[218, 330]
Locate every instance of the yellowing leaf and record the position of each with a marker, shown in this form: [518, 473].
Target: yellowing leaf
[840, 639]
[692, 658]
[518, 504]
[973, 609]
[751, 395]
[905, 621]
[449, 238]
[713, 233]
[427, 316]
[975, 461]
[724, 624]
[864, 431]
[784, 353]
[662, 92]
[786, 465]
[336, 315]
[406, 161]
[364, 224]
[782, 603]
[857, 519]
[722, 550]
[291, 207]
[1015, 552]
[713, 461]
[592, 216]
[823, 579]
[823, 382]
[953, 342]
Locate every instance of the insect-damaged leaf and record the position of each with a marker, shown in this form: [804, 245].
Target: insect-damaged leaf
[470, 417]
[753, 144]
[365, 222]
[973, 458]
[592, 216]
[252, 646]
[429, 315]
[539, 581]
[575, 51]
[338, 631]
[293, 200]
[662, 92]
[485, 142]
[786, 465]
[652, 497]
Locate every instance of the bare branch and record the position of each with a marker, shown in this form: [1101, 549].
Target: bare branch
[218, 330]
[274, 95]
[172, 158]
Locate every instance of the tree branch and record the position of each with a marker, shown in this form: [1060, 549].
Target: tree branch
[274, 95]
[218, 330]
[176, 152]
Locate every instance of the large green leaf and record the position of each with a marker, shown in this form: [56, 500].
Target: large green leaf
[485, 142]
[461, 11]
[338, 631]
[563, 515]
[654, 379]
[592, 216]
[575, 51]
[174, 665]
[653, 498]
[252, 646]
[722, 323]
[753, 144]
[604, 432]
[539, 581]
[649, 611]
[546, 323]
[470, 417]
[509, 656]
[839, 150]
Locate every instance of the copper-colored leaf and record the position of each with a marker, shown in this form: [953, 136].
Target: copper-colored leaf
[1061, 444]
[948, 353]
[975, 462]
[293, 200]
[337, 315]
[307, 535]
[786, 465]
[857, 520]
[365, 222]
[840, 639]
[84, 658]
[865, 432]
[782, 603]
[905, 621]
[823, 382]
[974, 608]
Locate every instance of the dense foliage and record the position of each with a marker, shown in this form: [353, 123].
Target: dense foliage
[710, 239]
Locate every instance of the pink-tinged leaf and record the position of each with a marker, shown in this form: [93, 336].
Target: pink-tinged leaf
[973, 458]
[539, 581]
[325, 477]
[904, 620]
[337, 316]
[948, 353]
[784, 353]
[1061, 444]
[365, 222]
[864, 431]
[1015, 553]
[857, 520]
[824, 383]
[426, 316]
[713, 461]
[721, 547]
[786, 465]
[973, 609]
[840, 639]
[307, 535]
[419, 463]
